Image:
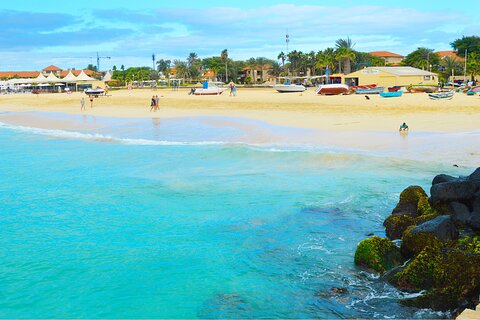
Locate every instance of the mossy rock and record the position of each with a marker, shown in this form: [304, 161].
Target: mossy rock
[413, 244]
[451, 276]
[413, 201]
[469, 244]
[377, 254]
[396, 224]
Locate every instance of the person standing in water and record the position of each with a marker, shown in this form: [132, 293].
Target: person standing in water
[82, 103]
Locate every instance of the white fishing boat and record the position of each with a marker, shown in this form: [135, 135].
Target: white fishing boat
[288, 86]
[442, 95]
[209, 89]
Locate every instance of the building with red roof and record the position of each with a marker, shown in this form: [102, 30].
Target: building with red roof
[389, 57]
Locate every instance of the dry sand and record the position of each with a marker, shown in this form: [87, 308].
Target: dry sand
[308, 110]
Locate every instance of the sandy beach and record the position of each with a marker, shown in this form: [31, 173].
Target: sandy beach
[305, 110]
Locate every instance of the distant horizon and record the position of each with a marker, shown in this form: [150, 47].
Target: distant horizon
[36, 36]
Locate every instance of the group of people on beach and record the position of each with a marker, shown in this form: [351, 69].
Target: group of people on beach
[154, 104]
[83, 103]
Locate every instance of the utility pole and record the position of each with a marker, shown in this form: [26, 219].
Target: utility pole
[98, 61]
[465, 71]
[153, 61]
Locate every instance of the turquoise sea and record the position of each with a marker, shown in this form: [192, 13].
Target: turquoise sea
[173, 219]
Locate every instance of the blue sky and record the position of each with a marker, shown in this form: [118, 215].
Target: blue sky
[36, 34]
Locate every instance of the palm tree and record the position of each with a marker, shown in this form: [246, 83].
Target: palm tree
[283, 57]
[181, 69]
[345, 54]
[449, 66]
[224, 57]
[326, 58]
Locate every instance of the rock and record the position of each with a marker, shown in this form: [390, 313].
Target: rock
[450, 275]
[431, 233]
[377, 254]
[396, 224]
[413, 201]
[475, 221]
[441, 226]
[476, 203]
[461, 191]
[475, 175]
[460, 213]
[441, 178]
[336, 290]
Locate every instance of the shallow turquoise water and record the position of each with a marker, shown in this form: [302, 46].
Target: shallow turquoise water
[95, 228]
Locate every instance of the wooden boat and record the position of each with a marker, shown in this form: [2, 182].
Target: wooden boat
[375, 90]
[442, 95]
[332, 89]
[475, 89]
[288, 86]
[209, 89]
[392, 94]
[422, 88]
[394, 89]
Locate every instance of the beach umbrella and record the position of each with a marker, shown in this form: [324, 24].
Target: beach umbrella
[43, 85]
[59, 84]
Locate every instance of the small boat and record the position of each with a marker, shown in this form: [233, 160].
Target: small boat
[94, 91]
[422, 88]
[394, 89]
[392, 94]
[375, 90]
[208, 89]
[332, 89]
[442, 95]
[288, 86]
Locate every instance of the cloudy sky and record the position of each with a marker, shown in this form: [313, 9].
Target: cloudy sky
[36, 34]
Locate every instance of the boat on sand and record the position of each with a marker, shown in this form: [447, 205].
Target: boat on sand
[332, 89]
[375, 90]
[288, 86]
[442, 95]
[391, 94]
[209, 89]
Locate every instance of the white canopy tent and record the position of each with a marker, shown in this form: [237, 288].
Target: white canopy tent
[83, 77]
[70, 77]
[52, 78]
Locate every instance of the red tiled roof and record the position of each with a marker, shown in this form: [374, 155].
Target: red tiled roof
[209, 73]
[52, 68]
[449, 53]
[19, 74]
[386, 54]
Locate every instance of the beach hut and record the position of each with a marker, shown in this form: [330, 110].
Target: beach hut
[83, 81]
[391, 76]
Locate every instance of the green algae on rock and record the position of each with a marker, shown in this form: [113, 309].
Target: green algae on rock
[413, 201]
[449, 275]
[378, 254]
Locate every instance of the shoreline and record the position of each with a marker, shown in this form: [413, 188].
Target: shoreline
[307, 110]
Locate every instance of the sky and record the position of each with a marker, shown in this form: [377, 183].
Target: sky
[36, 34]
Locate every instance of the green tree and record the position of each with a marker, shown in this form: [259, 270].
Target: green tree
[164, 66]
[326, 58]
[470, 44]
[224, 57]
[449, 65]
[114, 68]
[473, 64]
[181, 69]
[92, 67]
[344, 54]
[422, 58]
[281, 56]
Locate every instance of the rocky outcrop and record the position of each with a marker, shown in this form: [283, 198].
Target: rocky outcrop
[441, 237]
[378, 255]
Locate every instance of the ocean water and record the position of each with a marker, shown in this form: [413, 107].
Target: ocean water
[178, 219]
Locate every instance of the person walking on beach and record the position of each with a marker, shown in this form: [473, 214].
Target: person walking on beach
[231, 88]
[157, 103]
[234, 90]
[153, 104]
[82, 103]
[91, 101]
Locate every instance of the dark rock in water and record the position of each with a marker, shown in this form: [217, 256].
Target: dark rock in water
[413, 201]
[396, 224]
[441, 178]
[460, 213]
[377, 254]
[336, 290]
[431, 233]
[460, 191]
[441, 226]
[370, 234]
[450, 275]
[475, 175]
